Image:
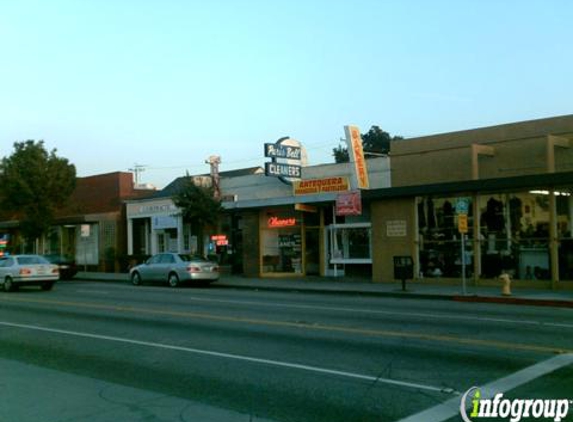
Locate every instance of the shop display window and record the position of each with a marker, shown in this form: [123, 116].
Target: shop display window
[513, 236]
[282, 244]
[439, 238]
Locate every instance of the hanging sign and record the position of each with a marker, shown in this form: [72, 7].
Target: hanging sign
[356, 154]
[349, 203]
[287, 158]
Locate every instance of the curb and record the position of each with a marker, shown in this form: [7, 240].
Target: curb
[398, 293]
[556, 303]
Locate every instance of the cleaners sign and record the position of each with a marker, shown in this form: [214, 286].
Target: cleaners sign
[286, 160]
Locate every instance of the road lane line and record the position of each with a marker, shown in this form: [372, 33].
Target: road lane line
[380, 312]
[271, 362]
[451, 408]
[316, 327]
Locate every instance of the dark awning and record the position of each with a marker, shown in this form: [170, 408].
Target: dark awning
[537, 181]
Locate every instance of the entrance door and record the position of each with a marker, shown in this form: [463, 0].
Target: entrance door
[312, 251]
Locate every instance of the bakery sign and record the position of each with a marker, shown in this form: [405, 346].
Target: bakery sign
[287, 158]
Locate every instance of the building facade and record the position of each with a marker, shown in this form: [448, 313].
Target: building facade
[90, 227]
[269, 228]
[513, 183]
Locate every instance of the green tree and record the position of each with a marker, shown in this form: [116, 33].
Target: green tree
[34, 183]
[375, 141]
[198, 206]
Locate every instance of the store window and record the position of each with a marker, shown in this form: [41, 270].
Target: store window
[440, 244]
[514, 235]
[515, 229]
[282, 243]
[350, 243]
[564, 201]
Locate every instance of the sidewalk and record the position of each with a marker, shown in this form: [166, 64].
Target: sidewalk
[347, 285]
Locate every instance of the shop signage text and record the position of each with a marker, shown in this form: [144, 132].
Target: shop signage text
[396, 228]
[349, 203]
[282, 170]
[282, 151]
[286, 156]
[327, 185]
[356, 152]
[220, 240]
[277, 222]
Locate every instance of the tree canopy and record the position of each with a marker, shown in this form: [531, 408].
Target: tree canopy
[198, 206]
[375, 141]
[33, 184]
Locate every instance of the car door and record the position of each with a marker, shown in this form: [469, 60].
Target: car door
[150, 271]
[167, 263]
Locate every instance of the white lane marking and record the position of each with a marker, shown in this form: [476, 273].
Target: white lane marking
[316, 369]
[390, 313]
[451, 408]
[380, 312]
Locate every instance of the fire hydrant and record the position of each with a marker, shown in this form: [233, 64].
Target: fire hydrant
[506, 284]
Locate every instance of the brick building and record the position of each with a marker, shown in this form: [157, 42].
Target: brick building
[90, 227]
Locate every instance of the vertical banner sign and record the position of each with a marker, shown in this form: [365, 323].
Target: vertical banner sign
[356, 155]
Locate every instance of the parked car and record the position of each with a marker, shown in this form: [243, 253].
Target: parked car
[27, 270]
[67, 266]
[175, 269]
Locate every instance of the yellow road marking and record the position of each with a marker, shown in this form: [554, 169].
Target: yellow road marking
[317, 327]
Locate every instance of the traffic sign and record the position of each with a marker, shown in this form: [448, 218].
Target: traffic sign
[463, 223]
[462, 206]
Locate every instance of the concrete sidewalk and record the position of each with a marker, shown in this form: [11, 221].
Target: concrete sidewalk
[346, 285]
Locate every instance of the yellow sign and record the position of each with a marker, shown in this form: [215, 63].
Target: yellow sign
[463, 223]
[305, 208]
[356, 154]
[328, 185]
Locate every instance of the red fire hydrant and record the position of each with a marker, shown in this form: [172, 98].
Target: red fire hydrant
[505, 284]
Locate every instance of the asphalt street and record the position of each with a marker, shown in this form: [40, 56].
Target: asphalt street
[90, 351]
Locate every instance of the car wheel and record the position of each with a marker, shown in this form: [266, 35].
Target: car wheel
[173, 280]
[47, 286]
[8, 285]
[136, 279]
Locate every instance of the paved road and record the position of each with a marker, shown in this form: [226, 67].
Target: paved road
[111, 351]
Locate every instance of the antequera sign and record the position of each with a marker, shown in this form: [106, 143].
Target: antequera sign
[286, 159]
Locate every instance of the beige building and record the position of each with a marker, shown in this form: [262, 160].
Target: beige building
[512, 183]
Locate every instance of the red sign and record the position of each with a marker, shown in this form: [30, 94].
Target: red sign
[276, 222]
[349, 203]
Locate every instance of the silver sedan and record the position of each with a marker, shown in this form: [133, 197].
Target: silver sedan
[174, 269]
[31, 270]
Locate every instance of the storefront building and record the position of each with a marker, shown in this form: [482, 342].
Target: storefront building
[155, 224]
[269, 228]
[90, 228]
[511, 185]
[287, 230]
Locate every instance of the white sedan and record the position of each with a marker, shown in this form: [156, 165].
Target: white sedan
[27, 270]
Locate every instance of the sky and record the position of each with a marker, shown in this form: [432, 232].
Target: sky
[165, 83]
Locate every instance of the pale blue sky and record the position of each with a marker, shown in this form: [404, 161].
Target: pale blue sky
[110, 83]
